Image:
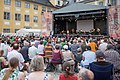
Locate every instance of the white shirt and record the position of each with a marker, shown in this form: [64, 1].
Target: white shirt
[89, 57]
[103, 46]
[40, 49]
[16, 54]
[32, 51]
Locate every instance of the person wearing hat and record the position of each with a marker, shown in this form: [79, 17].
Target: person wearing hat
[102, 69]
[67, 55]
[100, 59]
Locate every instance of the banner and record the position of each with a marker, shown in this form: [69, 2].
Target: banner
[114, 21]
[46, 23]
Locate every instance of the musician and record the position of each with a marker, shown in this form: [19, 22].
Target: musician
[98, 31]
[92, 31]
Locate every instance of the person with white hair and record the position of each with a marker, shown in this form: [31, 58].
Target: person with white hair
[103, 45]
[32, 51]
[74, 47]
[37, 70]
[85, 74]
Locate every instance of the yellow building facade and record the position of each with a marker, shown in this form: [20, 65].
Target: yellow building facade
[17, 14]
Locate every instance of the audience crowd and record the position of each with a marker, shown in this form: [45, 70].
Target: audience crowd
[75, 58]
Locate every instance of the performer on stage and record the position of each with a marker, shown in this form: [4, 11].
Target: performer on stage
[98, 31]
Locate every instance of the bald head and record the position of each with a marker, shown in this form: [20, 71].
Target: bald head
[85, 74]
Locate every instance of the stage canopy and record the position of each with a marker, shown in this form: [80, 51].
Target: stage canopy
[75, 16]
[79, 7]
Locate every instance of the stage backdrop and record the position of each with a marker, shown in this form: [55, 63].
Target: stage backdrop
[85, 25]
[114, 21]
[46, 23]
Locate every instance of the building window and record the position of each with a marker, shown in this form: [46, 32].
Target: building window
[7, 2]
[17, 3]
[27, 5]
[58, 2]
[6, 30]
[18, 17]
[27, 18]
[113, 2]
[101, 3]
[43, 9]
[35, 19]
[49, 10]
[16, 30]
[7, 15]
[35, 7]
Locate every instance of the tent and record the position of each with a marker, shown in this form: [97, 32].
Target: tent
[24, 31]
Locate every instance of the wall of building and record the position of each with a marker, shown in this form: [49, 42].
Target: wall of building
[12, 24]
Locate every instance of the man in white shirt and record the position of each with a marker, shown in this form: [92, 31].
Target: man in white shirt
[88, 57]
[32, 51]
[103, 45]
[15, 53]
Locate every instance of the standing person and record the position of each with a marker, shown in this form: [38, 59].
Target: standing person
[68, 72]
[32, 51]
[15, 53]
[118, 46]
[12, 73]
[78, 58]
[57, 58]
[103, 45]
[113, 57]
[24, 51]
[93, 45]
[63, 42]
[37, 70]
[88, 57]
[74, 47]
[41, 48]
[48, 49]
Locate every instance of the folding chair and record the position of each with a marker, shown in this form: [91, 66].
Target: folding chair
[102, 72]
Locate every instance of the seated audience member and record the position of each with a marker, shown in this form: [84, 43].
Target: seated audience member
[85, 74]
[2, 59]
[12, 73]
[56, 58]
[37, 70]
[100, 59]
[88, 57]
[68, 72]
[102, 70]
[67, 55]
[15, 53]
